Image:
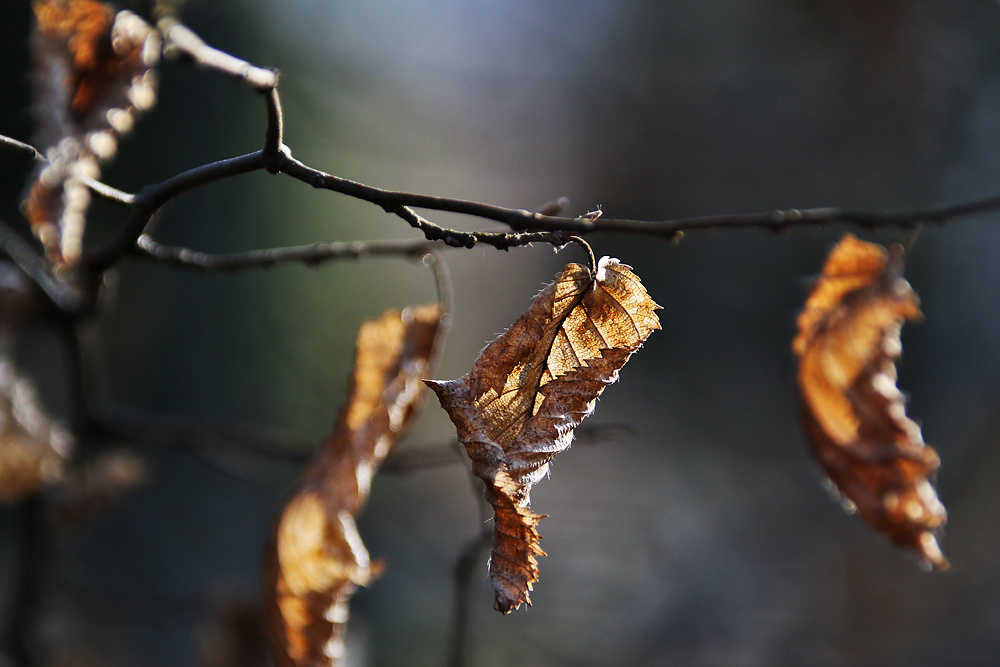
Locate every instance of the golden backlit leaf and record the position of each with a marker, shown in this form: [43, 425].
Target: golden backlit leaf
[316, 559]
[854, 415]
[92, 73]
[34, 449]
[517, 408]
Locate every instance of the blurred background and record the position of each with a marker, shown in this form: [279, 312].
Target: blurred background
[702, 537]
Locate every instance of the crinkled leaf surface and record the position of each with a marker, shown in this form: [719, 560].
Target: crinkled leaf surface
[91, 73]
[517, 408]
[34, 449]
[854, 415]
[316, 559]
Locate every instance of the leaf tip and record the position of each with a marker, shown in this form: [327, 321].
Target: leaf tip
[930, 553]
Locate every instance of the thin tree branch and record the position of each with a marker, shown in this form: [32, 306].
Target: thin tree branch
[311, 254]
[274, 135]
[470, 561]
[99, 188]
[108, 192]
[27, 150]
[521, 219]
[199, 434]
[457, 239]
[33, 557]
[151, 198]
[181, 40]
[65, 298]
[420, 458]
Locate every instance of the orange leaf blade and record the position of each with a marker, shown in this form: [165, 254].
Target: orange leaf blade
[34, 449]
[316, 559]
[517, 408]
[854, 414]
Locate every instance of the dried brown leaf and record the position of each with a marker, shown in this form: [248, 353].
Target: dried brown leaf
[34, 449]
[854, 414]
[92, 74]
[316, 559]
[517, 408]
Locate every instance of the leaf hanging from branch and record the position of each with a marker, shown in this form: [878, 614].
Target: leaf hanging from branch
[854, 415]
[92, 73]
[517, 408]
[316, 559]
[34, 449]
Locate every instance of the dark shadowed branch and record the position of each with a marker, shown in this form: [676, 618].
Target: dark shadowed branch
[310, 254]
[200, 434]
[63, 295]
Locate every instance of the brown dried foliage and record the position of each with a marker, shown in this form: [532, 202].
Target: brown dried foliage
[517, 408]
[92, 73]
[316, 559]
[34, 449]
[854, 415]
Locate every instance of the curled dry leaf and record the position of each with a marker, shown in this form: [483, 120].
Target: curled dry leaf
[34, 449]
[854, 415]
[316, 558]
[517, 408]
[91, 73]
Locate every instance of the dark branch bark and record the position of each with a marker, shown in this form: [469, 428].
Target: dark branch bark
[63, 296]
[27, 150]
[311, 254]
[150, 199]
[200, 434]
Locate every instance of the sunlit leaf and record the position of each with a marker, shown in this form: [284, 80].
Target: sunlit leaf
[316, 559]
[517, 408]
[854, 415]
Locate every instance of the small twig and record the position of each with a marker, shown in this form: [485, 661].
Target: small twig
[61, 294]
[198, 435]
[179, 39]
[273, 137]
[445, 290]
[419, 458]
[521, 220]
[34, 553]
[457, 239]
[587, 249]
[151, 198]
[105, 191]
[470, 561]
[27, 150]
[554, 207]
[602, 434]
[909, 237]
[311, 254]
[99, 188]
